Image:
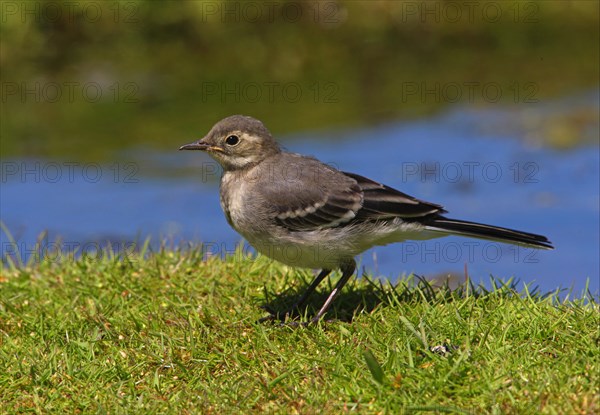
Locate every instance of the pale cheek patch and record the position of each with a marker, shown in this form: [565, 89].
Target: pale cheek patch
[235, 163]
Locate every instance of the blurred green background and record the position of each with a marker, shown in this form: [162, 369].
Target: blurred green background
[86, 79]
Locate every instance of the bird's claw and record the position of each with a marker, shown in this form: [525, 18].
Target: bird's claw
[282, 316]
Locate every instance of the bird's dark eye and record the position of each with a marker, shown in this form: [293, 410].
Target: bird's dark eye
[232, 140]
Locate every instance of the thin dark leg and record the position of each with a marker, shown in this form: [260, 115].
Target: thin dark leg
[301, 301]
[347, 271]
[311, 289]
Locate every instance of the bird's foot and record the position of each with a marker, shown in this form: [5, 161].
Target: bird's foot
[285, 318]
[313, 321]
[281, 316]
[287, 323]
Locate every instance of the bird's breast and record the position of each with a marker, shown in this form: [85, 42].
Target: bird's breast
[232, 198]
[242, 206]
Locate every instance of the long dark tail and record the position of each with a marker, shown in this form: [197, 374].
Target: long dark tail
[495, 233]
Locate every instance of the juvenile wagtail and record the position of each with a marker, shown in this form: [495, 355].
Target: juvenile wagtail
[304, 213]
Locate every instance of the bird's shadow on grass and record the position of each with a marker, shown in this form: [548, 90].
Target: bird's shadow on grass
[367, 294]
[358, 296]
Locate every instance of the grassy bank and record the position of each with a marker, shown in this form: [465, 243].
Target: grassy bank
[173, 333]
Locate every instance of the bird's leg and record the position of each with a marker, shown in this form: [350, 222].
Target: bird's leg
[301, 301]
[311, 288]
[347, 271]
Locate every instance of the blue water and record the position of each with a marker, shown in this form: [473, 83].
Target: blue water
[481, 165]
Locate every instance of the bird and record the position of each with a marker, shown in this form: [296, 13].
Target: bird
[304, 213]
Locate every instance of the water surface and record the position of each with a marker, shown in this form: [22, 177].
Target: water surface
[482, 165]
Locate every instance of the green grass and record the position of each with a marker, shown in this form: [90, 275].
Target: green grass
[171, 332]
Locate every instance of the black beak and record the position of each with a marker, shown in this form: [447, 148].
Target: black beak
[196, 145]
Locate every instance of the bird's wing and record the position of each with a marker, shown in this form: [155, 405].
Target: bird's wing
[304, 194]
[383, 202]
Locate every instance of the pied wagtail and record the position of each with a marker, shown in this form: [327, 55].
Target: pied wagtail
[304, 213]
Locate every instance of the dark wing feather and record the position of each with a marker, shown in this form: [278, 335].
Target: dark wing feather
[381, 202]
[307, 194]
[332, 209]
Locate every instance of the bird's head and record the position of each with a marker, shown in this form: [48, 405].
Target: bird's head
[237, 142]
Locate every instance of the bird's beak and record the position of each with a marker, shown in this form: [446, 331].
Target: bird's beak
[196, 145]
[200, 145]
